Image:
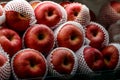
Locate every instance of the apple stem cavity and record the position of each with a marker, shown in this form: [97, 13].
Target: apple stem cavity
[41, 36]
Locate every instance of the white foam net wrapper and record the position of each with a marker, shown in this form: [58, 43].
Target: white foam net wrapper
[84, 16]
[2, 17]
[22, 7]
[54, 73]
[82, 65]
[5, 70]
[106, 35]
[36, 78]
[56, 31]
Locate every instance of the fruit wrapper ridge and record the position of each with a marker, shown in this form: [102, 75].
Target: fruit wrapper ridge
[84, 16]
[5, 70]
[83, 67]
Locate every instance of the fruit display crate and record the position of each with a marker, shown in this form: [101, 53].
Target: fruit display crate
[60, 40]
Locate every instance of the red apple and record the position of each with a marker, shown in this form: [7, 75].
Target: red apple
[29, 64]
[90, 60]
[34, 3]
[93, 58]
[10, 41]
[61, 62]
[70, 35]
[111, 55]
[19, 15]
[109, 13]
[97, 35]
[78, 12]
[39, 37]
[50, 13]
[64, 3]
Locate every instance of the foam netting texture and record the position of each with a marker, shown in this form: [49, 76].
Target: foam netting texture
[36, 78]
[5, 70]
[82, 65]
[53, 72]
[22, 7]
[84, 16]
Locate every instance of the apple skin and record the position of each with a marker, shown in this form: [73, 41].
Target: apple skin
[34, 3]
[93, 58]
[3, 60]
[16, 21]
[70, 36]
[96, 35]
[10, 41]
[29, 63]
[62, 63]
[48, 13]
[73, 9]
[64, 3]
[39, 37]
[109, 13]
[111, 57]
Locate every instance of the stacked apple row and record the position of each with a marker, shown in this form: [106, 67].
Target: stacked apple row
[44, 38]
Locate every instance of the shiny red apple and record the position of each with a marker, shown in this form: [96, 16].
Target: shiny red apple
[111, 55]
[62, 61]
[10, 41]
[78, 12]
[97, 35]
[50, 13]
[90, 60]
[93, 58]
[29, 64]
[70, 35]
[39, 37]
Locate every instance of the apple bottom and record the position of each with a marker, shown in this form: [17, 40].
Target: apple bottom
[29, 64]
[62, 63]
